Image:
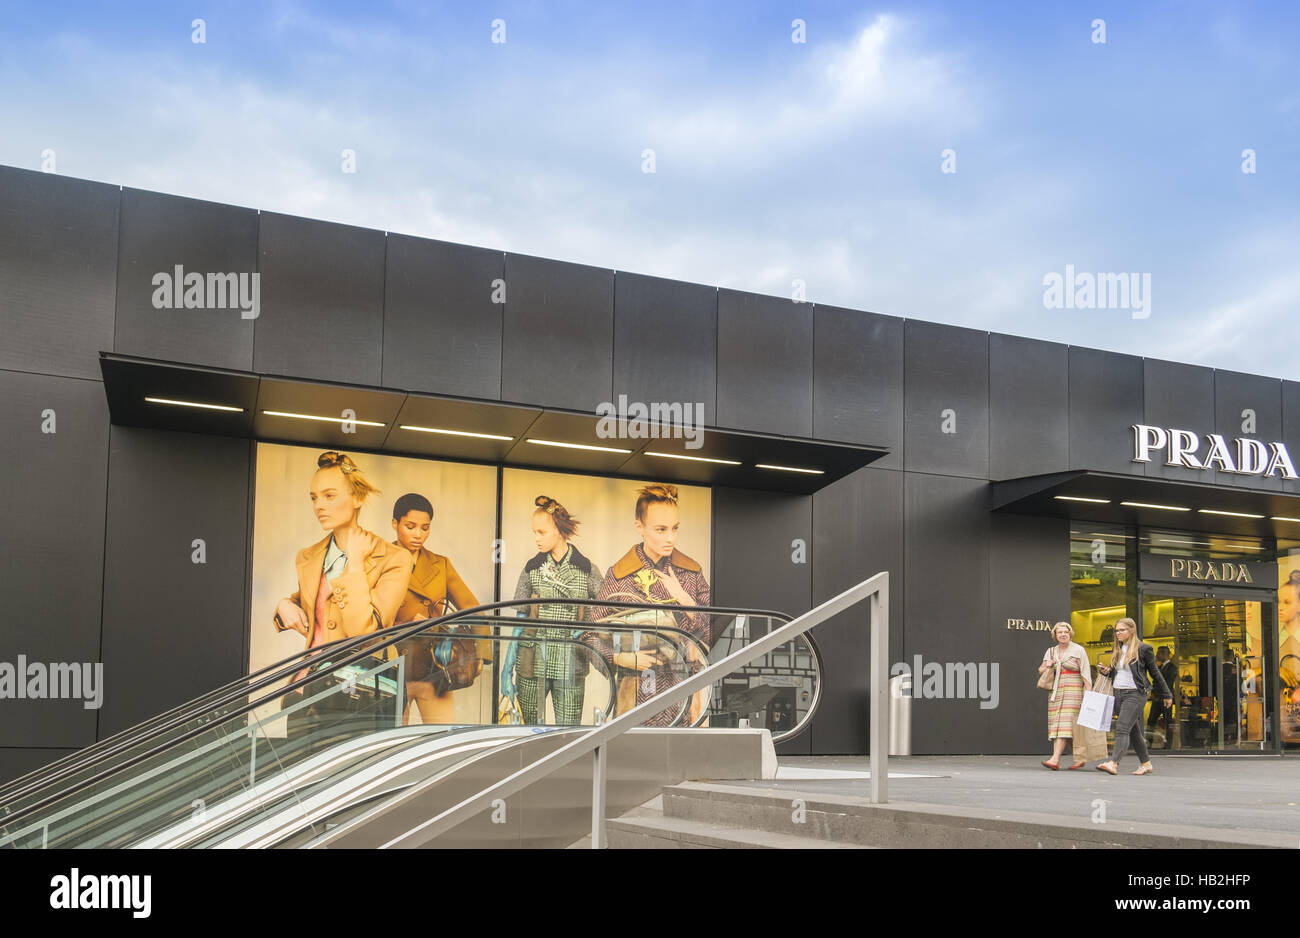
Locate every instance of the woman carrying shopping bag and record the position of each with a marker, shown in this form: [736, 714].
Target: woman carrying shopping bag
[1066, 671]
[1131, 661]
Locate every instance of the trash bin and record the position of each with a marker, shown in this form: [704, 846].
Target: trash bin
[900, 715]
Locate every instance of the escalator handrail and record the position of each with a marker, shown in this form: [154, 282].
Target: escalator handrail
[875, 589]
[272, 673]
[24, 814]
[137, 730]
[802, 726]
[374, 642]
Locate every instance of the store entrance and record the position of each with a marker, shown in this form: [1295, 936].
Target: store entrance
[1211, 647]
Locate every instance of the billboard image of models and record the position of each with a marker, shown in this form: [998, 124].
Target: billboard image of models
[423, 532]
[1288, 647]
[574, 536]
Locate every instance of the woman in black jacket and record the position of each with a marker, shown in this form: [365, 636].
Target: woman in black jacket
[1131, 661]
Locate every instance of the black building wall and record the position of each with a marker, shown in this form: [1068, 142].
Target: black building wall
[99, 539]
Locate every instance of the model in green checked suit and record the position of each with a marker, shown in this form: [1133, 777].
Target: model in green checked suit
[558, 571]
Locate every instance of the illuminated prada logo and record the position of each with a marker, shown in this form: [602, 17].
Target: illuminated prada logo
[1183, 448]
[1206, 570]
[1035, 625]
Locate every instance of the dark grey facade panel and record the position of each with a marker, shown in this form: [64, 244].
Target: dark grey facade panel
[322, 301]
[946, 400]
[442, 327]
[58, 272]
[857, 533]
[1178, 396]
[53, 544]
[1029, 395]
[946, 589]
[15, 763]
[858, 380]
[1247, 406]
[559, 334]
[173, 628]
[160, 233]
[1291, 427]
[754, 556]
[1105, 400]
[666, 342]
[1029, 583]
[765, 364]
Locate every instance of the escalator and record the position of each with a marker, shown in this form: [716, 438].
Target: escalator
[320, 747]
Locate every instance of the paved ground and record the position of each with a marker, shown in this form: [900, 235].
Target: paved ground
[1242, 793]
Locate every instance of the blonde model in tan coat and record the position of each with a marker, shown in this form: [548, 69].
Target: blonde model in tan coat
[364, 583]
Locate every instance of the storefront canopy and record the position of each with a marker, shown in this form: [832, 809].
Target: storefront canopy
[193, 399]
[1119, 498]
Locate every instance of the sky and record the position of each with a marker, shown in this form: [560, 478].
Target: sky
[937, 161]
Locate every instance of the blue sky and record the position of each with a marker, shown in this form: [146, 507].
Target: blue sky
[775, 161]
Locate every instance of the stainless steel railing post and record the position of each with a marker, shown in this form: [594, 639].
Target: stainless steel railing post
[878, 668]
[598, 799]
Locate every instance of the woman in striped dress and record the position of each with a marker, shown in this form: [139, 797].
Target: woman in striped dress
[1073, 676]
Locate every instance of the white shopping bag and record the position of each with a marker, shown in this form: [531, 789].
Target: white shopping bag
[1095, 713]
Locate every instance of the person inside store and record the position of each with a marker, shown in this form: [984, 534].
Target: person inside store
[544, 667]
[1068, 661]
[1169, 671]
[1231, 699]
[434, 665]
[1131, 661]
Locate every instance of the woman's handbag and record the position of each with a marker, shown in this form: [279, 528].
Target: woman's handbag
[456, 664]
[508, 711]
[1047, 680]
[443, 660]
[629, 679]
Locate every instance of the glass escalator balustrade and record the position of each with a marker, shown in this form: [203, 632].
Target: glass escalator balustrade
[283, 756]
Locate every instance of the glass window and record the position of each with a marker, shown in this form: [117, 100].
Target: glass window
[1231, 547]
[1103, 583]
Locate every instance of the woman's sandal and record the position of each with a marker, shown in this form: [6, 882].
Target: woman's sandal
[1049, 765]
[1077, 765]
[1107, 768]
[1145, 769]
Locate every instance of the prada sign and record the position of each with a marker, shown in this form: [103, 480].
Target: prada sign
[1032, 625]
[1214, 572]
[1184, 448]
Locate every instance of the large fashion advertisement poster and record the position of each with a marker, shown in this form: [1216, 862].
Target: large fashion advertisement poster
[566, 536]
[349, 543]
[1288, 645]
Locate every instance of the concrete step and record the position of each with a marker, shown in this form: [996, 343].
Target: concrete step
[676, 834]
[646, 827]
[845, 820]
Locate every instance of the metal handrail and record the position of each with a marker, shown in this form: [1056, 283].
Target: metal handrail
[358, 648]
[361, 645]
[811, 709]
[874, 589]
[142, 729]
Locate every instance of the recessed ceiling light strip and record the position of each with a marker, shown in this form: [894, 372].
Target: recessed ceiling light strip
[199, 404]
[598, 449]
[477, 436]
[722, 462]
[283, 413]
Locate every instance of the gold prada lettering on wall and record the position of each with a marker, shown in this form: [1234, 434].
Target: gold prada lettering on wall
[1182, 569]
[1036, 625]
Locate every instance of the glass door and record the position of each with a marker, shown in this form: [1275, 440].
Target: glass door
[1211, 650]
